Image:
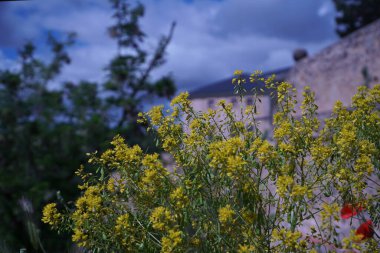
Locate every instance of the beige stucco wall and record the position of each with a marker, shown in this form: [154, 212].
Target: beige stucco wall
[336, 72]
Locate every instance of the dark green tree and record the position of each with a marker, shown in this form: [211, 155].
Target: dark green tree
[129, 85]
[354, 14]
[34, 149]
[45, 133]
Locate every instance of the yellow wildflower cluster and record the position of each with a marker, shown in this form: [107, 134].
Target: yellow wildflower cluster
[195, 125]
[166, 127]
[330, 211]
[156, 114]
[320, 153]
[122, 223]
[180, 200]
[226, 214]
[239, 79]
[283, 130]
[287, 148]
[121, 154]
[289, 240]
[231, 188]
[301, 191]
[111, 185]
[195, 139]
[284, 184]
[153, 177]
[363, 165]
[50, 215]
[226, 156]
[235, 166]
[284, 93]
[161, 218]
[246, 248]
[266, 152]
[238, 72]
[90, 201]
[247, 215]
[171, 242]
[346, 139]
[80, 237]
[88, 207]
[181, 99]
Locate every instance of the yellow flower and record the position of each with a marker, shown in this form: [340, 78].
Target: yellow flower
[111, 187]
[350, 242]
[79, 237]
[156, 114]
[179, 198]
[235, 166]
[122, 223]
[330, 210]
[50, 215]
[171, 241]
[226, 214]
[300, 191]
[287, 147]
[160, 218]
[282, 130]
[320, 153]
[221, 150]
[266, 152]
[289, 239]
[238, 72]
[283, 184]
[346, 139]
[246, 248]
[151, 161]
[248, 215]
[195, 125]
[364, 165]
[90, 201]
[195, 241]
[181, 99]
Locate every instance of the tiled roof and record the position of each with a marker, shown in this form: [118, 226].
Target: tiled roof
[224, 88]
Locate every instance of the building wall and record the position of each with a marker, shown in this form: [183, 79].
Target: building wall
[336, 72]
[333, 74]
[264, 115]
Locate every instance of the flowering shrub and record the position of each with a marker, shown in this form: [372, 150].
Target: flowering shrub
[231, 190]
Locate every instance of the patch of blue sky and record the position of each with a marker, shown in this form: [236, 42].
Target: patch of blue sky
[10, 53]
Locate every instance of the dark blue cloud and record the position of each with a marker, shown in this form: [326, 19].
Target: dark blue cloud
[7, 36]
[211, 40]
[299, 20]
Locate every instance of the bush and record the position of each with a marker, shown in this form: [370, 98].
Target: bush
[230, 189]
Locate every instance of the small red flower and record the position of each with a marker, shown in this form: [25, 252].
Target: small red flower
[348, 211]
[365, 230]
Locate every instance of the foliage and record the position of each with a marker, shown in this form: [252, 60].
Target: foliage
[45, 132]
[354, 14]
[231, 190]
[33, 144]
[128, 85]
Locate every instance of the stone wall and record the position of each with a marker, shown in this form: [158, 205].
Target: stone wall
[336, 71]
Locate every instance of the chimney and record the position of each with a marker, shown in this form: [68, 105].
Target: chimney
[299, 54]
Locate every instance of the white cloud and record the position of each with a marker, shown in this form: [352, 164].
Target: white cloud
[326, 9]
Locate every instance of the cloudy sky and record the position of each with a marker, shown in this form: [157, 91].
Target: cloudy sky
[212, 37]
